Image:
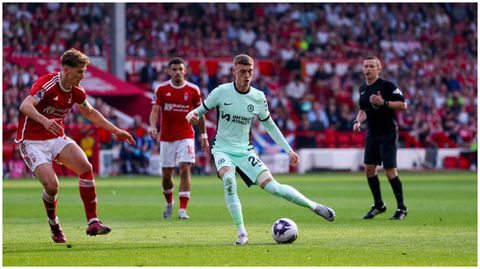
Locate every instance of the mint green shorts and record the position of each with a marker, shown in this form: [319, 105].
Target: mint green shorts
[246, 164]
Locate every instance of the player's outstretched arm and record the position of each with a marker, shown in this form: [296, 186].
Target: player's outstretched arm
[276, 135]
[28, 108]
[98, 119]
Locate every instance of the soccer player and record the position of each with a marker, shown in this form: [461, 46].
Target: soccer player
[175, 98]
[41, 138]
[237, 104]
[379, 99]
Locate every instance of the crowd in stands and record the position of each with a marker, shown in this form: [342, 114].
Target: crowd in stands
[48, 29]
[433, 47]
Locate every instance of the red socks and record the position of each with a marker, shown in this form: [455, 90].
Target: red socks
[88, 193]
[184, 196]
[168, 195]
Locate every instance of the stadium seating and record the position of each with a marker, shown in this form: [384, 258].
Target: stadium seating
[450, 162]
[439, 82]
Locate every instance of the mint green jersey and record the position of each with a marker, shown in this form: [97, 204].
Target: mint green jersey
[235, 114]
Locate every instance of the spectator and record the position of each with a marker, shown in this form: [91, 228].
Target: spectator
[430, 34]
[148, 73]
[296, 89]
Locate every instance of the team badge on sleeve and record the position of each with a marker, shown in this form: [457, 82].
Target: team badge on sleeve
[39, 95]
[397, 91]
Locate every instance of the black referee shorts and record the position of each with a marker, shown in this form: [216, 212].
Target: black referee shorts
[381, 149]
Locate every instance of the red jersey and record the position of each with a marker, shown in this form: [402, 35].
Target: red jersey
[54, 102]
[175, 103]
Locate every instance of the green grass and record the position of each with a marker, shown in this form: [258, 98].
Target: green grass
[440, 229]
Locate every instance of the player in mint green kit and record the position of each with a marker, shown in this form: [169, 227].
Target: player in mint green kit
[237, 104]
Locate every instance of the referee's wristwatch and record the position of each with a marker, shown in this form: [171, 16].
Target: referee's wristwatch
[386, 103]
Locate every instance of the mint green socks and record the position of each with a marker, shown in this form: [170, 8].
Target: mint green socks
[233, 203]
[289, 193]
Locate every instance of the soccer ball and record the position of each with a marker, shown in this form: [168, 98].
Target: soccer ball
[284, 231]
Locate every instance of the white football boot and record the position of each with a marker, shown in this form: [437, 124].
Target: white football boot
[324, 211]
[242, 239]
[168, 211]
[182, 214]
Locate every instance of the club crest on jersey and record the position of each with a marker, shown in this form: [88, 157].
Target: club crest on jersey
[250, 108]
[185, 96]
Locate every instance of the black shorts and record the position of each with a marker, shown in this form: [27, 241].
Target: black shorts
[381, 149]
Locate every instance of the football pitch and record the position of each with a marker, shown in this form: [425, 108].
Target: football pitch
[440, 229]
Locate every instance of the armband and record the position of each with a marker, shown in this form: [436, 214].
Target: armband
[204, 136]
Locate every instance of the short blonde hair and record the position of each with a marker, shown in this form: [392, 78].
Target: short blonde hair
[379, 64]
[242, 59]
[74, 58]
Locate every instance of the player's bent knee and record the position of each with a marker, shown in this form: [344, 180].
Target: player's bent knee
[51, 188]
[83, 168]
[264, 178]
[370, 170]
[391, 173]
[88, 167]
[224, 170]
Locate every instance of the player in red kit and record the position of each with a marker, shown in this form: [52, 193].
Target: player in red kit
[41, 138]
[175, 98]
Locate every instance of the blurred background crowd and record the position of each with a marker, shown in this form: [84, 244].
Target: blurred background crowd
[434, 46]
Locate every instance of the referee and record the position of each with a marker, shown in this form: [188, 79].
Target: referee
[379, 99]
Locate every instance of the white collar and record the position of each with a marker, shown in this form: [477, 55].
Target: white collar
[178, 87]
[60, 83]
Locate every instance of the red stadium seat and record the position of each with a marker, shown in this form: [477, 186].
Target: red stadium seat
[330, 138]
[321, 139]
[443, 141]
[464, 163]
[357, 140]
[342, 139]
[450, 162]
[410, 141]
